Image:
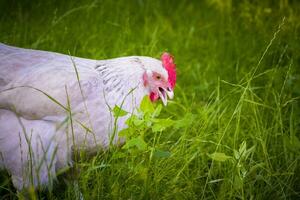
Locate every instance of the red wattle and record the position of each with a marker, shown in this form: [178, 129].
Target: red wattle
[153, 97]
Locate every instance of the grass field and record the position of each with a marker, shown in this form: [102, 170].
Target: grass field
[233, 129]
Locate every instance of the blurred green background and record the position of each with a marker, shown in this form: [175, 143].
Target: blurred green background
[238, 69]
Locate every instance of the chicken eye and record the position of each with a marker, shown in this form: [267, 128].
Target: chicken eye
[158, 77]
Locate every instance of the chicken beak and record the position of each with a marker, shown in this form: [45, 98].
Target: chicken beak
[170, 94]
[163, 97]
[164, 94]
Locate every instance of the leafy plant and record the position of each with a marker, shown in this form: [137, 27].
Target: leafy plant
[144, 121]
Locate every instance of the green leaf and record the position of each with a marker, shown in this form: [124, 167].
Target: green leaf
[162, 124]
[136, 142]
[238, 182]
[217, 156]
[161, 154]
[236, 154]
[248, 152]
[166, 122]
[137, 121]
[185, 122]
[118, 112]
[119, 155]
[157, 111]
[243, 148]
[243, 152]
[147, 105]
[124, 132]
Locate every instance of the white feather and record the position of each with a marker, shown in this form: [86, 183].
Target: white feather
[28, 76]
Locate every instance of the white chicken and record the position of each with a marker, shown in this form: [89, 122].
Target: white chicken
[51, 103]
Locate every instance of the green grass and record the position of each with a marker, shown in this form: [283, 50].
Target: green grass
[235, 127]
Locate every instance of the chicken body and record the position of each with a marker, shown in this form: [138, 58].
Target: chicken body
[51, 103]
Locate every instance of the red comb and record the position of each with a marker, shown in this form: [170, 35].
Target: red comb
[168, 63]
